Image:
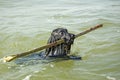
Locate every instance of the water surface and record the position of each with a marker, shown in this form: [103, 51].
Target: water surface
[27, 24]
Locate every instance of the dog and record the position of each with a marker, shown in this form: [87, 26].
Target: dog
[62, 49]
[59, 51]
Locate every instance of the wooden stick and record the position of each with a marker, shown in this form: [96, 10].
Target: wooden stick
[89, 30]
[12, 57]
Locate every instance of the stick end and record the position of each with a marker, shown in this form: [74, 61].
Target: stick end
[8, 58]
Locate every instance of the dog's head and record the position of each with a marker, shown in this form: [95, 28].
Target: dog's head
[61, 33]
[64, 48]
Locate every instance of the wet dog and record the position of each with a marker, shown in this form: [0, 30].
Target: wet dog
[59, 51]
[62, 49]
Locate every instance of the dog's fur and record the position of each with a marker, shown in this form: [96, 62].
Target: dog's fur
[62, 49]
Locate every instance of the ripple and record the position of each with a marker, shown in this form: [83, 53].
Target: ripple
[110, 78]
[27, 77]
[26, 24]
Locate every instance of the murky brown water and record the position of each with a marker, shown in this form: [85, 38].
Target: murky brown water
[27, 24]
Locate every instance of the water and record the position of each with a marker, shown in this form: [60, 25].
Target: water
[27, 24]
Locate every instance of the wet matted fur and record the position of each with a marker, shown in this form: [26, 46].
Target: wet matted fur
[62, 49]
